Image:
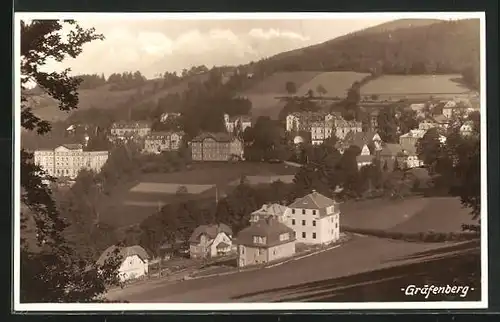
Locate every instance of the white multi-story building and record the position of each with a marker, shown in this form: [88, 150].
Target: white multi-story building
[157, 142]
[315, 219]
[126, 130]
[323, 130]
[242, 121]
[68, 159]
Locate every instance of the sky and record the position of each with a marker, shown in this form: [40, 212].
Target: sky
[157, 45]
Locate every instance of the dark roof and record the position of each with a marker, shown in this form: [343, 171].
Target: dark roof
[124, 253]
[219, 137]
[315, 201]
[359, 139]
[209, 230]
[162, 134]
[73, 146]
[137, 124]
[269, 228]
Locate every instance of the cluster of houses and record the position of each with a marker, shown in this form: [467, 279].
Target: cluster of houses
[222, 146]
[322, 125]
[273, 231]
[272, 234]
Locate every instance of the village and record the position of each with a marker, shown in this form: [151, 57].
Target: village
[339, 171]
[276, 232]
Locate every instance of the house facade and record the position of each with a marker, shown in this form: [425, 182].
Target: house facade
[365, 157]
[265, 241]
[157, 142]
[68, 159]
[315, 219]
[360, 139]
[302, 122]
[216, 147]
[208, 241]
[135, 261]
[411, 138]
[126, 130]
[427, 124]
[467, 128]
[274, 210]
[242, 122]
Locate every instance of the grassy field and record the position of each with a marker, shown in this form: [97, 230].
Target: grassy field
[412, 215]
[335, 83]
[276, 83]
[264, 94]
[414, 84]
[133, 202]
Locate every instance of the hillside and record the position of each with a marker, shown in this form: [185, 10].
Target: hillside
[103, 97]
[399, 47]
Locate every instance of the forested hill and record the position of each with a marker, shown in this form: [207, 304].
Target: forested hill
[399, 47]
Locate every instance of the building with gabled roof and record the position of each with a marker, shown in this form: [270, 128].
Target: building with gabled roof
[216, 147]
[68, 160]
[314, 218]
[273, 210]
[135, 261]
[210, 241]
[264, 241]
[158, 142]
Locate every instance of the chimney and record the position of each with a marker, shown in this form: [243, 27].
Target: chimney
[314, 191]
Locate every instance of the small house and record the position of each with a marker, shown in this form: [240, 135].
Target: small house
[210, 241]
[135, 261]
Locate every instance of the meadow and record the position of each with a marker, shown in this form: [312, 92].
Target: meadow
[411, 215]
[335, 83]
[133, 202]
[414, 85]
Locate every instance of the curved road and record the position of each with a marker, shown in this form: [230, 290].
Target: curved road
[360, 254]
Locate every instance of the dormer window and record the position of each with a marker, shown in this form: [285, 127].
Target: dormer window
[259, 239]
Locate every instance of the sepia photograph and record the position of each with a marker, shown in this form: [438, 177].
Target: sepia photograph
[249, 161]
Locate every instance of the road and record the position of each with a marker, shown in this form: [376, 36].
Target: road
[360, 254]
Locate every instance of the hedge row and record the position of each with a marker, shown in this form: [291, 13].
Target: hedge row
[426, 237]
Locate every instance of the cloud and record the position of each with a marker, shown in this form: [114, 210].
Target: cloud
[128, 48]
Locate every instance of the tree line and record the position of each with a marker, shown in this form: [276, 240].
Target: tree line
[441, 48]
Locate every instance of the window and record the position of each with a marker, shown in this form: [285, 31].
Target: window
[274, 251]
[303, 222]
[303, 211]
[303, 234]
[242, 250]
[314, 223]
[314, 212]
[314, 235]
[293, 221]
[293, 211]
[259, 240]
[284, 237]
[336, 225]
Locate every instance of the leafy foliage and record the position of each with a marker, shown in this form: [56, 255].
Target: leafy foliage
[50, 269]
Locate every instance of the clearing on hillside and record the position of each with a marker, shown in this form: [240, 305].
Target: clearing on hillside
[414, 85]
[276, 83]
[335, 83]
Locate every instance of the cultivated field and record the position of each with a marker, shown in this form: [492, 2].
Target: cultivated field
[275, 84]
[132, 203]
[414, 85]
[413, 215]
[335, 83]
[264, 94]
